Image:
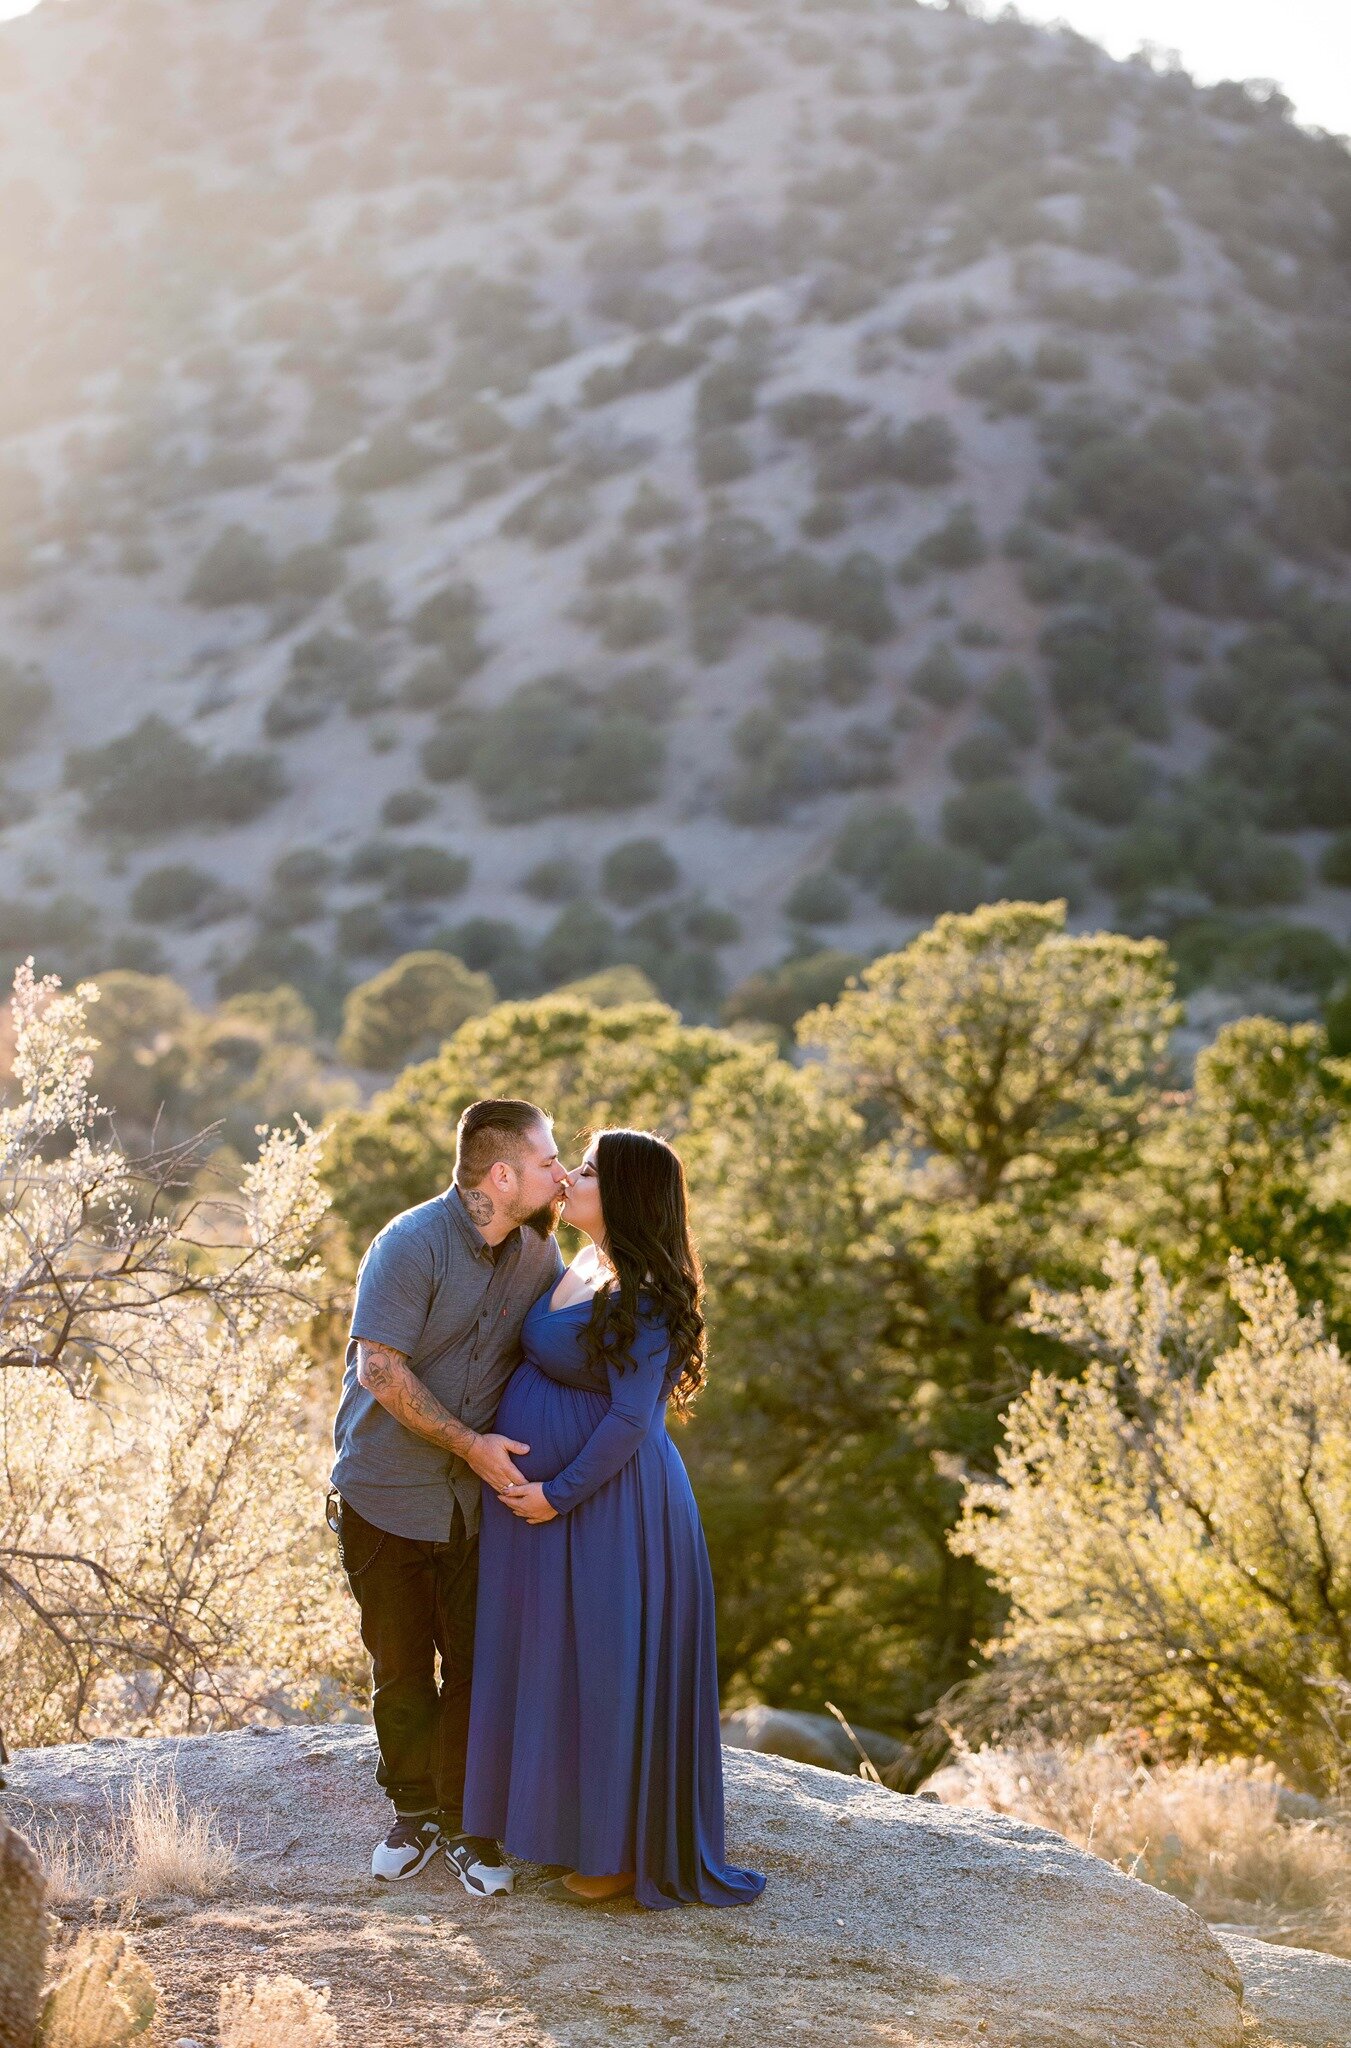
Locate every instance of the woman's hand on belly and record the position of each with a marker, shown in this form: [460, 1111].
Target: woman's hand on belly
[526, 1499]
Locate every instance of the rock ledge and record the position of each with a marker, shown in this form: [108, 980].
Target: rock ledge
[923, 1917]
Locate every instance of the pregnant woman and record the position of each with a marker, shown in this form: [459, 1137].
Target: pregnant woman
[593, 1738]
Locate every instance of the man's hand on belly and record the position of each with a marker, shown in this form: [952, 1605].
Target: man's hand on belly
[489, 1457]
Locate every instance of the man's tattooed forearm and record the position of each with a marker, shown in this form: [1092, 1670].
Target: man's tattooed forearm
[378, 1366]
[479, 1204]
[421, 1412]
[385, 1373]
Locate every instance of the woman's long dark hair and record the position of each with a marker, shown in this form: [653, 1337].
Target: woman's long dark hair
[647, 1228]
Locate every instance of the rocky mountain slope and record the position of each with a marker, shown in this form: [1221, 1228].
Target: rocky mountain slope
[679, 483]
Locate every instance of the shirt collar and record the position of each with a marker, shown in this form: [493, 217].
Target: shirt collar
[471, 1233]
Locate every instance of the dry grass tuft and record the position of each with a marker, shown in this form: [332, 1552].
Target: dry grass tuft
[71, 1867]
[161, 1847]
[105, 1996]
[279, 2012]
[1225, 1836]
[155, 1846]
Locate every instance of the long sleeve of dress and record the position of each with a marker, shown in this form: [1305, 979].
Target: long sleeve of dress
[635, 1392]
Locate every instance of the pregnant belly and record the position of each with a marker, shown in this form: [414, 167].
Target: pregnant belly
[554, 1420]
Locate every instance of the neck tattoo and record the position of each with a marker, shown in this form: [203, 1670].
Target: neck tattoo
[478, 1205]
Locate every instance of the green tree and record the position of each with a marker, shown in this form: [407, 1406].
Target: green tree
[991, 818]
[1004, 1067]
[155, 779]
[25, 700]
[609, 987]
[636, 870]
[778, 996]
[237, 568]
[1018, 1054]
[1257, 1159]
[833, 1579]
[410, 1006]
[141, 1068]
[635, 1064]
[255, 1060]
[165, 1069]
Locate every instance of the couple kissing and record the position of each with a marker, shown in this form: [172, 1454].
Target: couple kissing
[510, 1508]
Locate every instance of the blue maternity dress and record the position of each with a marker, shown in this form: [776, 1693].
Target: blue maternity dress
[593, 1735]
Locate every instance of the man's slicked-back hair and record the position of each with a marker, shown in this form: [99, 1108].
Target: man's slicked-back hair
[493, 1130]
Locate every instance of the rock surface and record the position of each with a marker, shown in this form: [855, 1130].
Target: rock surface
[23, 1939]
[1300, 1996]
[807, 1739]
[886, 1919]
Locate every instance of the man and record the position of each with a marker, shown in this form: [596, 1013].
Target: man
[440, 1299]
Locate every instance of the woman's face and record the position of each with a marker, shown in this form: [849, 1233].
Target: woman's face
[581, 1204]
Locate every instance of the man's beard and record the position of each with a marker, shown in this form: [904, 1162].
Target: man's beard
[544, 1222]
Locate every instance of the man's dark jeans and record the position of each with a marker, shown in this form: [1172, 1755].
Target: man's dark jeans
[416, 1599]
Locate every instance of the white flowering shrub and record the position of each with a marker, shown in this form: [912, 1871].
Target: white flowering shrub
[163, 1555]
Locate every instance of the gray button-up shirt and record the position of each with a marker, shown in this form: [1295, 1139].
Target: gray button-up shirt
[431, 1288]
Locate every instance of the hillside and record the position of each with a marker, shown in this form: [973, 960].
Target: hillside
[885, 458]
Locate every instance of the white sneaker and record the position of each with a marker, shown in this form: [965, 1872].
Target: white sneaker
[408, 1847]
[478, 1864]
